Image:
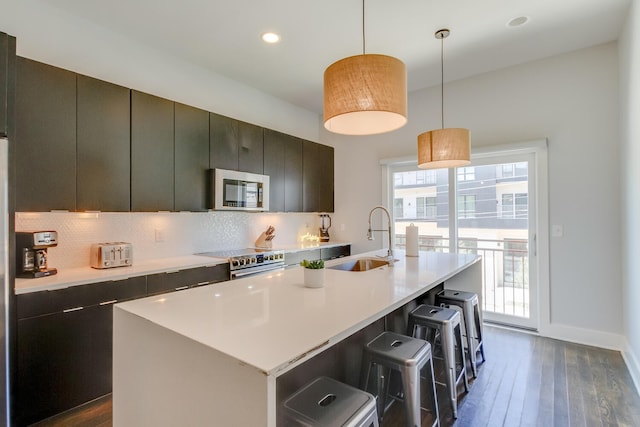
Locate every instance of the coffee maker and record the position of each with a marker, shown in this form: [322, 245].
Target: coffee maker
[325, 224]
[31, 253]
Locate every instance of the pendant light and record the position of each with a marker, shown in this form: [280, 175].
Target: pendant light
[365, 94]
[443, 148]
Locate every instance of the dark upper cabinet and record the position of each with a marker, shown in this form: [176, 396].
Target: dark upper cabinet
[191, 158]
[7, 79]
[250, 148]
[103, 145]
[293, 174]
[283, 164]
[45, 137]
[310, 176]
[274, 143]
[235, 145]
[223, 142]
[326, 179]
[152, 153]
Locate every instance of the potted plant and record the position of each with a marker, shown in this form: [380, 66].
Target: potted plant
[313, 273]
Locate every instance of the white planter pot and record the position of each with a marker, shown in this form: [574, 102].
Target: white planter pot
[314, 278]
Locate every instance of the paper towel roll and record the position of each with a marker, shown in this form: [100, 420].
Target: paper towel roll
[411, 240]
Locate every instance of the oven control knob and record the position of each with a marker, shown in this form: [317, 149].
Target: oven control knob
[242, 261]
[235, 263]
[253, 260]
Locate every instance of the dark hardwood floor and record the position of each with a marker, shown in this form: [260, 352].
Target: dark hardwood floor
[526, 381]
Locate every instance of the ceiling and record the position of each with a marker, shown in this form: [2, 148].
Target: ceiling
[224, 36]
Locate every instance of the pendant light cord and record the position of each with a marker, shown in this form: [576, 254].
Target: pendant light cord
[363, 36]
[442, 79]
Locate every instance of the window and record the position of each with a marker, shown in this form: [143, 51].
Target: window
[466, 206]
[466, 174]
[398, 208]
[519, 209]
[522, 205]
[507, 206]
[516, 264]
[426, 207]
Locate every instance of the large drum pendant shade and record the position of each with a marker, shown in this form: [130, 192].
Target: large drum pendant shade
[365, 95]
[444, 148]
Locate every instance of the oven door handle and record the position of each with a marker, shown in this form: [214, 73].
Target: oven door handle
[256, 270]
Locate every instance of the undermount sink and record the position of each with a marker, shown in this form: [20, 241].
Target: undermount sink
[362, 264]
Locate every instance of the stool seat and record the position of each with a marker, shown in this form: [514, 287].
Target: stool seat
[408, 356]
[447, 322]
[327, 402]
[472, 320]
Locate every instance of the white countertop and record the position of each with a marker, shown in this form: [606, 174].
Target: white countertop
[271, 321]
[84, 275]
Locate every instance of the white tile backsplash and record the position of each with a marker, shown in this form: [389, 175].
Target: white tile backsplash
[182, 233]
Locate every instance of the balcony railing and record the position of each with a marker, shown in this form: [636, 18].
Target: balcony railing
[505, 266]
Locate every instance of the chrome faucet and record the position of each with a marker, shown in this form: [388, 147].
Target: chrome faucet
[389, 257]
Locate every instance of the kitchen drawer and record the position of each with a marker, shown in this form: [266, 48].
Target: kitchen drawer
[183, 279]
[207, 275]
[335, 252]
[294, 258]
[46, 302]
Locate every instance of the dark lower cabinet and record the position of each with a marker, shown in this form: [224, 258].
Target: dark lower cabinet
[65, 339]
[183, 279]
[58, 359]
[64, 346]
[294, 258]
[335, 252]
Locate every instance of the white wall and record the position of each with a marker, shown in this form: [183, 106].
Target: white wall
[572, 100]
[630, 184]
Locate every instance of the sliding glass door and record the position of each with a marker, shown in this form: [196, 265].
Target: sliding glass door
[489, 207]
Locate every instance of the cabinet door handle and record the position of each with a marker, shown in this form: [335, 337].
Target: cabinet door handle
[113, 301]
[69, 310]
[202, 283]
[182, 288]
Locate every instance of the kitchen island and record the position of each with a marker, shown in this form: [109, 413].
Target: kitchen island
[228, 353]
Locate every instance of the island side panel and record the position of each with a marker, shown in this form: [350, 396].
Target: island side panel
[161, 378]
[468, 280]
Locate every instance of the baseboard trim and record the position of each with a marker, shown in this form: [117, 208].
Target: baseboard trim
[632, 364]
[584, 336]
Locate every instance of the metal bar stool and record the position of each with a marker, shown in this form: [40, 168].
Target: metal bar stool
[446, 322]
[327, 402]
[408, 356]
[472, 318]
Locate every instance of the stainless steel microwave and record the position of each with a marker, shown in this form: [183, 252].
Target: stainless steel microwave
[240, 191]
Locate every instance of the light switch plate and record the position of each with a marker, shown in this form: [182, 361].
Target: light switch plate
[557, 231]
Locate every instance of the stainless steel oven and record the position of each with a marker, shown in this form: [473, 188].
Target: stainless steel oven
[250, 261]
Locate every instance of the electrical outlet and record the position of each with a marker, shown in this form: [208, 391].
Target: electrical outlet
[159, 235]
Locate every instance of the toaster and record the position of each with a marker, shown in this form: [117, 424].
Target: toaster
[111, 254]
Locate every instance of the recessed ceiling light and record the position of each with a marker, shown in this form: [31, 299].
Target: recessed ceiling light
[518, 22]
[270, 38]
